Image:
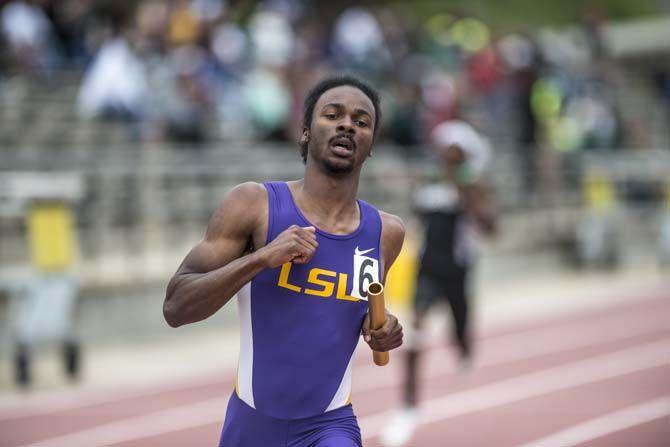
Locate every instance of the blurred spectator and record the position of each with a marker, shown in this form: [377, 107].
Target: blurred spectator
[151, 21]
[269, 104]
[662, 83]
[439, 97]
[483, 70]
[522, 58]
[404, 128]
[115, 84]
[230, 46]
[72, 20]
[29, 34]
[184, 28]
[272, 38]
[235, 70]
[209, 11]
[593, 20]
[358, 43]
[188, 109]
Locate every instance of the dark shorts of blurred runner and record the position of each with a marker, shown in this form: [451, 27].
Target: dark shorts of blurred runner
[452, 287]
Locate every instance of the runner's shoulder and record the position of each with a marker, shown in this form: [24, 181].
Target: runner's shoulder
[243, 206]
[392, 225]
[248, 192]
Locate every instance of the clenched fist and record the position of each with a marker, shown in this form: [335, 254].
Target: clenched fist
[295, 244]
[385, 338]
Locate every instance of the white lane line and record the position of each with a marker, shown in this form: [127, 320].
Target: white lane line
[366, 375]
[609, 423]
[535, 384]
[68, 400]
[157, 423]
[505, 349]
[523, 346]
[487, 396]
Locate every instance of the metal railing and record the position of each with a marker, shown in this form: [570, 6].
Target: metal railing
[144, 206]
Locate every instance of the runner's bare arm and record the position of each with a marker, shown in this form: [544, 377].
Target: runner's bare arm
[393, 236]
[479, 203]
[215, 269]
[390, 335]
[219, 265]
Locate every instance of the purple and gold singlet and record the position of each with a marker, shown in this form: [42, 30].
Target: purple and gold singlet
[300, 323]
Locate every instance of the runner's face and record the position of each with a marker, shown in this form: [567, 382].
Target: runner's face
[453, 155]
[342, 129]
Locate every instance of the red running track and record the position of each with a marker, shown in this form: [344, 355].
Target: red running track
[597, 378]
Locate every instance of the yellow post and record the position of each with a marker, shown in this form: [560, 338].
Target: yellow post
[51, 233]
[401, 281]
[599, 193]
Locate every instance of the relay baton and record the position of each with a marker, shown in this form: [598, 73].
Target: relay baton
[377, 312]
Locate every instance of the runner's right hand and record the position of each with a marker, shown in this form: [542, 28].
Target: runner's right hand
[295, 244]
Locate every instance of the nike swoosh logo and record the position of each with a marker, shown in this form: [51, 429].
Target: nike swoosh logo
[358, 252]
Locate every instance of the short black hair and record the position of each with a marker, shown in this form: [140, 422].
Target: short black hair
[329, 83]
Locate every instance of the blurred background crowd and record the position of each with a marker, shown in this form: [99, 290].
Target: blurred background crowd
[191, 71]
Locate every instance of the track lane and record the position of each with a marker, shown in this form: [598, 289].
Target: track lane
[646, 314]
